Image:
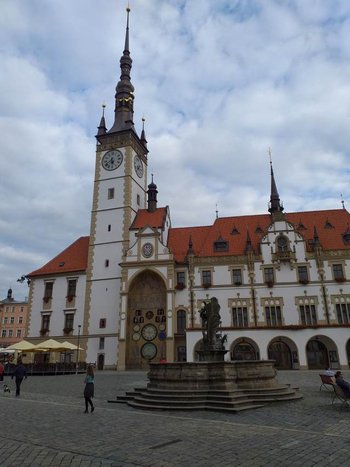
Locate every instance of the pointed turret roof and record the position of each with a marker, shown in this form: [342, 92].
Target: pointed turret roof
[124, 96]
[102, 126]
[275, 204]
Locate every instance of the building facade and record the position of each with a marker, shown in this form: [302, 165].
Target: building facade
[13, 320]
[133, 288]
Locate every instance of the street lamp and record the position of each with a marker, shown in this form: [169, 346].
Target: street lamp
[77, 362]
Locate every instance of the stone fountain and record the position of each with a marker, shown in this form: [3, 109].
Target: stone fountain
[210, 383]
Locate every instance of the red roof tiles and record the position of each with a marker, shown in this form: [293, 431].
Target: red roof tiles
[330, 225]
[72, 259]
[145, 218]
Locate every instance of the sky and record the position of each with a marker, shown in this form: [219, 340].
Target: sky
[218, 83]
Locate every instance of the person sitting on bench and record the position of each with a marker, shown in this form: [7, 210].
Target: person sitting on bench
[339, 379]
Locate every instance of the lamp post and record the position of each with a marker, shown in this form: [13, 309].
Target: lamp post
[77, 362]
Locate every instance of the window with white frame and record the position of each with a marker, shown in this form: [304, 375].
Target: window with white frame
[206, 277]
[3, 333]
[303, 275]
[71, 288]
[343, 312]
[237, 276]
[48, 290]
[19, 333]
[308, 315]
[240, 317]
[10, 332]
[101, 345]
[20, 319]
[273, 315]
[338, 272]
[269, 275]
[45, 322]
[12, 320]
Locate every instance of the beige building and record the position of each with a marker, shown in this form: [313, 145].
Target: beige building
[13, 320]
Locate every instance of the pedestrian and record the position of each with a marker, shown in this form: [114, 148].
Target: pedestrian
[2, 370]
[89, 389]
[19, 373]
[345, 385]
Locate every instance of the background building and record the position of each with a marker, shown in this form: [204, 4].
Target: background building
[13, 320]
[136, 284]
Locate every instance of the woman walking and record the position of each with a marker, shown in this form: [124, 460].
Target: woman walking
[89, 389]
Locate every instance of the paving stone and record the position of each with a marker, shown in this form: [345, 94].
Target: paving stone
[46, 426]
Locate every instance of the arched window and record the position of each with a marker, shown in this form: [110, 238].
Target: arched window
[181, 321]
[282, 243]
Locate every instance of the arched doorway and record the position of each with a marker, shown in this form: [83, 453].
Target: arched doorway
[317, 355]
[281, 353]
[100, 361]
[146, 321]
[243, 351]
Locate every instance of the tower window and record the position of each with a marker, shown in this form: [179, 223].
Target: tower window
[110, 193]
[109, 227]
[181, 321]
[102, 323]
[101, 343]
[138, 200]
[107, 263]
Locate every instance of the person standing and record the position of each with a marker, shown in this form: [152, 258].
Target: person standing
[89, 389]
[20, 373]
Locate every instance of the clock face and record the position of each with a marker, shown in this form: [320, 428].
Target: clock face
[149, 332]
[112, 160]
[147, 250]
[138, 166]
[148, 351]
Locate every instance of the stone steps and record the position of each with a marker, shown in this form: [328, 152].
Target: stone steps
[216, 399]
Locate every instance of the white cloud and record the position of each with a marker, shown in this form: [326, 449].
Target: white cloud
[218, 82]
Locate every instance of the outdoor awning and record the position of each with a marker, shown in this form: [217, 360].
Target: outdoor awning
[23, 346]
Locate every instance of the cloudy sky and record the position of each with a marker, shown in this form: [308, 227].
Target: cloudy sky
[219, 82]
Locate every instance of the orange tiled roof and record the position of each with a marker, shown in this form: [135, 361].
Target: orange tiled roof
[72, 259]
[154, 219]
[330, 225]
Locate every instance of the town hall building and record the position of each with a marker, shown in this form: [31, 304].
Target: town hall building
[133, 288]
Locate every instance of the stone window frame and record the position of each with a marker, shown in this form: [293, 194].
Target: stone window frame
[307, 301]
[272, 302]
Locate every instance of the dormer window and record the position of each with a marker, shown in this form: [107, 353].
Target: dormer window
[328, 225]
[234, 231]
[258, 229]
[220, 245]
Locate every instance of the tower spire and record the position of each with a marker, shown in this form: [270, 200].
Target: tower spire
[101, 129]
[275, 205]
[143, 133]
[124, 96]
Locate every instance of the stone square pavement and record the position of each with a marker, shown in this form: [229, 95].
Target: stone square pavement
[46, 426]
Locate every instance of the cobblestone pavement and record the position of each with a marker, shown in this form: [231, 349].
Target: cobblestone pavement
[46, 426]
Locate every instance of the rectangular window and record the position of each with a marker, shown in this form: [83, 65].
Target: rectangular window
[206, 278]
[19, 333]
[273, 315]
[181, 321]
[13, 309]
[69, 322]
[45, 322]
[22, 309]
[7, 308]
[268, 275]
[180, 278]
[343, 313]
[308, 315]
[110, 193]
[72, 288]
[20, 320]
[102, 323]
[12, 320]
[3, 333]
[109, 227]
[303, 274]
[107, 263]
[338, 272]
[237, 276]
[102, 343]
[48, 290]
[10, 332]
[240, 317]
[6, 320]
[138, 200]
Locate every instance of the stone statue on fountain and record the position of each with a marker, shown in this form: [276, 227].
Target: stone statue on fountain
[213, 341]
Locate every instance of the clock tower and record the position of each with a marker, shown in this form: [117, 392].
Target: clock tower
[120, 189]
